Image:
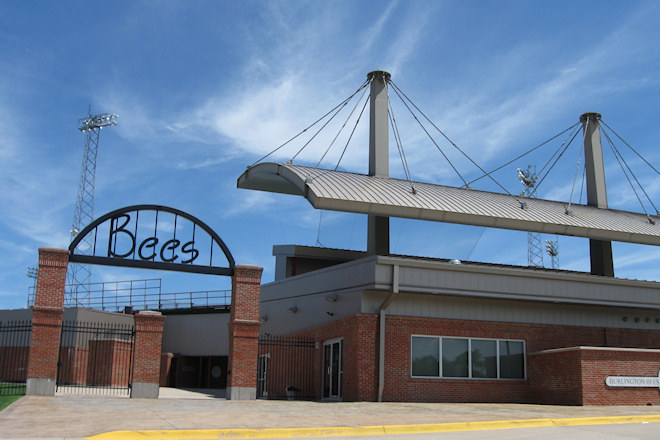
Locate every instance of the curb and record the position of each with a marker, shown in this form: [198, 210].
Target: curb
[344, 431]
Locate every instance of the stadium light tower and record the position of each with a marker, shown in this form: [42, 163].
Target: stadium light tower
[79, 275]
[534, 247]
[552, 249]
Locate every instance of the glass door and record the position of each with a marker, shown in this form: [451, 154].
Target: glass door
[332, 369]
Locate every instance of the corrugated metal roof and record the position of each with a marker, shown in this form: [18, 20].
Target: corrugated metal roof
[359, 193]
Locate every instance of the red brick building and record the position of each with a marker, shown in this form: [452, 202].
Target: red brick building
[414, 329]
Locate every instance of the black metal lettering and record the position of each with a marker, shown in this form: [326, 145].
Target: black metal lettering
[150, 242]
[189, 248]
[114, 230]
[169, 245]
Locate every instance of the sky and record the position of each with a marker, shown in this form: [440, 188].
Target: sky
[202, 89]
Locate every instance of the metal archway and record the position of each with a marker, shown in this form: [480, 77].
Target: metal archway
[132, 244]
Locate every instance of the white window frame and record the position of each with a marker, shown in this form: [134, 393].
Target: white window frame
[470, 339]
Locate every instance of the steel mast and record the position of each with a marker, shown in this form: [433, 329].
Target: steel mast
[79, 275]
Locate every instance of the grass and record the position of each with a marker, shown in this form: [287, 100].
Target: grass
[6, 400]
[10, 393]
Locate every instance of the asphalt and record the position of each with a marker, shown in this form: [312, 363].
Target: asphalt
[206, 414]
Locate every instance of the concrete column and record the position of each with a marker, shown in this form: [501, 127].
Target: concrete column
[601, 251]
[47, 315]
[378, 228]
[244, 333]
[147, 354]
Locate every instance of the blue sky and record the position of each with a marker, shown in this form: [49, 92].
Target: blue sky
[203, 89]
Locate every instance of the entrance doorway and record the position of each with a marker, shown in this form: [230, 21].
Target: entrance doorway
[332, 369]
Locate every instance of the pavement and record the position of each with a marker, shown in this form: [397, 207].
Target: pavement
[202, 414]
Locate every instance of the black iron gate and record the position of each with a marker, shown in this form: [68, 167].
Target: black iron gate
[286, 368]
[95, 358]
[14, 352]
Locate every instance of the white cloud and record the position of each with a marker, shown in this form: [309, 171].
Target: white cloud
[249, 202]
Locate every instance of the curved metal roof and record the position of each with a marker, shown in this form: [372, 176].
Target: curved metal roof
[359, 193]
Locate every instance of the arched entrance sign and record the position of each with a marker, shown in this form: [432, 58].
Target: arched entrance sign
[153, 237]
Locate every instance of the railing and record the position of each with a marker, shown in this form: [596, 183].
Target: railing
[95, 358]
[139, 295]
[14, 351]
[286, 366]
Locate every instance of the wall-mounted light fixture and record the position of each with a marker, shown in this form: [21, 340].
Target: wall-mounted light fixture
[293, 309]
[331, 298]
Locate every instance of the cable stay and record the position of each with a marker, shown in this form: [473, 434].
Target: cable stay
[574, 126]
[335, 109]
[555, 161]
[624, 166]
[399, 145]
[401, 96]
[398, 93]
[577, 171]
[318, 232]
[352, 133]
[342, 127]
[628, 145]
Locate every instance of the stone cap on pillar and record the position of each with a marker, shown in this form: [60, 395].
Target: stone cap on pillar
[248, 273]
[148, 313]
[49, 256]
[149, 321]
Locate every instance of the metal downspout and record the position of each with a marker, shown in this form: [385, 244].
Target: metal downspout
[381, 333]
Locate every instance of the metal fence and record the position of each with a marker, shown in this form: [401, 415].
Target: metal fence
[95, 358]
[145, 294]
[14, 352]
[286, 368]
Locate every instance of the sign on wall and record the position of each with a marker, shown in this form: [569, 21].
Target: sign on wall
[633, 381]
[154, 237]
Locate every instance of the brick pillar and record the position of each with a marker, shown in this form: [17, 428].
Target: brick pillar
[147, 354]
[244, 333]
[47, 322]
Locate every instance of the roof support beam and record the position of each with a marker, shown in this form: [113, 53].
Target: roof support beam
[378, 227]
[602, 262]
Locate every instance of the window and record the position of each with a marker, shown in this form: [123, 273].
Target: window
[512, 359]
[484, 358]
[425, 357]
[455, 357]
[448, 357]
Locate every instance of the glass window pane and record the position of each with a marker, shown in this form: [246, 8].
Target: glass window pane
[425, 360]
[484, 358]
[512, 360]
[454, 357]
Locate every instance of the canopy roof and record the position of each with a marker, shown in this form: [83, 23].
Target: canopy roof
[359, 193]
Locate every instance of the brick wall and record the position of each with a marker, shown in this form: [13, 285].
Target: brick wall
[13, 363]
[554, 380]
[47, 315]
[112, 362]
[148, 343]
[360, 355]
[597, 364]
[51, 277]
[45, 342]
[244, 332]
[74, 365]
[555, 377]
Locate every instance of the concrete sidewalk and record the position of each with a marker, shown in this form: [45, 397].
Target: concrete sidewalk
[78, 416]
